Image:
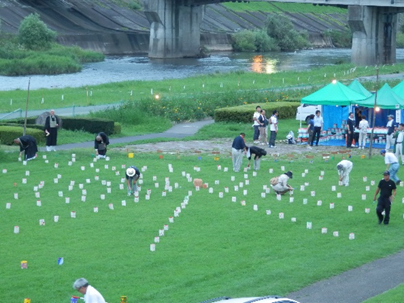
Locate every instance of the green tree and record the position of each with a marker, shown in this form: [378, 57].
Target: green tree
[264, 43]
[244, 41]
[33, 33]
[281, 29]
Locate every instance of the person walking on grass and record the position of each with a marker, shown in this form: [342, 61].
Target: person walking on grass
[344, 168]
[238, 148]
[256, 124]
[273, 126]
[399, 142]
[387, 189]
[91, 295]
[318, 127]
[51, 131]
[263, 121]
[363, 132]
[132, 175]
[392, 165]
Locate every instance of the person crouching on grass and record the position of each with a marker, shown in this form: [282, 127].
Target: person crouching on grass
[91, 295]
[392, 165]
[100, 145]
[387, 189]
[280, 184]
[258, 153]
[344, 168]
[132, 175]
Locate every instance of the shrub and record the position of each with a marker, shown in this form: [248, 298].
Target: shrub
[265, 43]
[342, 39]
[400, 39]
[117, 128]
[281, 29]
[34, 34]
[244, 113]
[244, 41]
[91, 125]
[9, 133]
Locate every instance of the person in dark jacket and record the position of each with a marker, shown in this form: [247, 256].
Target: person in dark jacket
[350, 129]
[51, 131]
[258, 153]
[100, 145]
[27, 145]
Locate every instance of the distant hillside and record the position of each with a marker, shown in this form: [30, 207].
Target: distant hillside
[114, 27]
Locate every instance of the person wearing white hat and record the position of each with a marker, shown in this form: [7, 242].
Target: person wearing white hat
[132, 175]
[390, 131]
[344, 168]
[91, 295]
[280, 184]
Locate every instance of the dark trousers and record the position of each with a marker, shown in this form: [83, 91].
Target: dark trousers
[272, 138]
[383, 204]
[256, 132]
[356, 137]
[316, 133]
[349, 138]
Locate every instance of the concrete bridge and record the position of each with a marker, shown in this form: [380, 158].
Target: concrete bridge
[175, 27]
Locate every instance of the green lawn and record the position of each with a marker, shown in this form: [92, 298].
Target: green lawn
[392, 296]
[215, 247]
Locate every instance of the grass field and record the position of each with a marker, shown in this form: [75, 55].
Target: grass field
[215, 247]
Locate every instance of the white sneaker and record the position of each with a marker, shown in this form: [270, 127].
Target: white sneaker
[256, 142]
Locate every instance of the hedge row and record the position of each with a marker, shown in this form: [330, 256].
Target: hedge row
[244, 113]
[9, 133]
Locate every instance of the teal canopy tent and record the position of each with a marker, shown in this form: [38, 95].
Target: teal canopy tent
[334, 93]
[386, 99]
[358, 87]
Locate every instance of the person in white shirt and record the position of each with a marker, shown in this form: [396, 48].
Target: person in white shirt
[392, 165]
[318, 127]
[363, 132]
[398, 145]
[390, 132]
[344, 168]
[273, 127]
[256, 124]
[282, 185]
[91, 295]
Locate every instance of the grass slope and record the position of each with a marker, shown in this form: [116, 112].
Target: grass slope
[215, 247]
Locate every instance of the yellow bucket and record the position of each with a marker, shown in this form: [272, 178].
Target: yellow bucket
[131, 155]
[27, 300]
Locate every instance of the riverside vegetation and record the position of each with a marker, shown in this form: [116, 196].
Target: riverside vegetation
[34, 51]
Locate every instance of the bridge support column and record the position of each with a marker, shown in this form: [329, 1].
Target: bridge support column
[374, 34]
[174, 29]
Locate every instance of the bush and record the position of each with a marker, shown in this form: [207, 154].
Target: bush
[281, 29]
[400, 40]
[341, 39]
[264, 43]
[117, 128]
[244, 41]
[91, 125]
[33, 33]
[244, 113]
[9, 133]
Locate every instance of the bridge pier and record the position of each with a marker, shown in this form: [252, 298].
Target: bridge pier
[374, 34]
[174, 28]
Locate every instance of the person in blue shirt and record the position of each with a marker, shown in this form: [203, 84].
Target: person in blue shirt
[132, 175]
[237, 151]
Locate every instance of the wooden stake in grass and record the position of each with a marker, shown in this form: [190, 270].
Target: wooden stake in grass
[374, 114]
[26, 108]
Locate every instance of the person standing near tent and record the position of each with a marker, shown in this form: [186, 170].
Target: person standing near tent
[398, 145]
[387, 189]
[392, 165]
[390, 131]
[256, 124]
[237, 149]
[344, 168]
[318, 127]
[273, 126]
[363, 132]
[358, 119]
[51, 131]
[350, 128]
[263, 128]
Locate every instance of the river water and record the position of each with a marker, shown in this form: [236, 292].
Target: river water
[116, 69]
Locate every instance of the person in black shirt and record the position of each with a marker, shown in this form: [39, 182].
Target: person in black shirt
[27, 145]
[387, 189]
[238, 147]
[358, 118]
[258, 152]
[350, 130]
[132, 175]
[100, 145]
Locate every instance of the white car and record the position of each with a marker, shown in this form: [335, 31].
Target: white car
[304, 111]
[266, 299]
